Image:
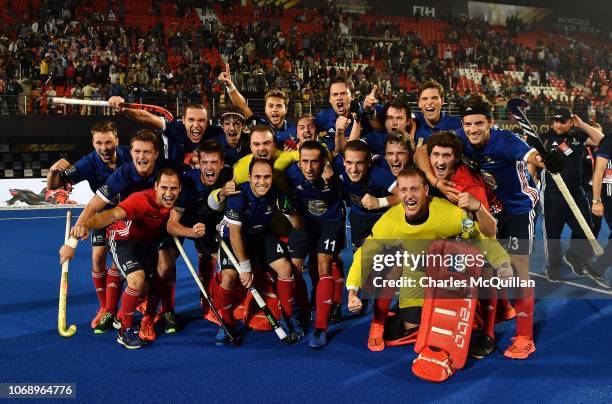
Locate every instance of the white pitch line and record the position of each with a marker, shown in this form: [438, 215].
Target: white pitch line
[30, 218]
[605, 292]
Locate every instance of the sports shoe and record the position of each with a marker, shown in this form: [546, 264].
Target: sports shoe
[129, 338]
[597, 277]
[335, 315]
[552, 274]
[105, 324]
[575, 263]
[296, 328]
[521, 348]
[147, 328]
[291, 337]
[481, 345]
[117, 321]
[318, 339]
[96, 320]
[376, 342]
[169, 322]
[222, 339]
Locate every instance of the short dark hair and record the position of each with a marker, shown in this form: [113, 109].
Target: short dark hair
[196, 106]
[314, 145]
[358, 146]
[255, 161]
[401, 137]
[445, 138]
[397, 103]
[263, 128]
[104, 126]
[147, 136]
[305, 116]
[430, 84]
[210, 147]
[413, 172]
[276, 93]
[341, 80]
[169, 171]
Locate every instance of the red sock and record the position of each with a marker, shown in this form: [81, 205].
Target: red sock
[488, 306]
[99, 281]
[381, 309]
[113, 289]
[286, 294]
[129, 301]
[504, 301]
[524, 312]
[325, 293]
[223, 302]
[338, 283]
[167, 296]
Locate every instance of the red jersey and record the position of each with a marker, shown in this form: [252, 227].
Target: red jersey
[468, 180]
[145, 221]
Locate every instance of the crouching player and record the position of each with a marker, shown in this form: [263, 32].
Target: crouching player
[246, 229]
[419, 217]
[320, 204]
[136, 227]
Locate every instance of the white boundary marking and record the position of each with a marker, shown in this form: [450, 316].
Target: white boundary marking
[606, 292]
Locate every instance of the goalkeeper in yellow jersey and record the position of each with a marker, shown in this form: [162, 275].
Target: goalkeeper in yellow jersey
[420, 219]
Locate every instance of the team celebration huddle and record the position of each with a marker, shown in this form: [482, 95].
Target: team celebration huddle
[284, 218]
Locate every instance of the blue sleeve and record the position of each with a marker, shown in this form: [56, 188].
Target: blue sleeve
[175, 132]
[234, 209]
[115, 184]
[82, 170]
[292, 174]
[605, 148]
[188, 192]
[338, 164]
[382, 178]
[320, 121]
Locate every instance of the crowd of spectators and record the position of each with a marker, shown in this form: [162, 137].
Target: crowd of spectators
[96, 55]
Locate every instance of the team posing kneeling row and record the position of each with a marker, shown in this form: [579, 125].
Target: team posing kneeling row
[277, 210]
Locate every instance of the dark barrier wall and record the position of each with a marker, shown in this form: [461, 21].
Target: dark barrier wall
[30, 144]
[423, 8]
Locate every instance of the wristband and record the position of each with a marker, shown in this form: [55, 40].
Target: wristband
[72, 242]
[244, 266]
[230, 88]
[383, 202]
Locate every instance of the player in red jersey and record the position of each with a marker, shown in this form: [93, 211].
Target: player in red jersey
[136, 227]
[444, 150]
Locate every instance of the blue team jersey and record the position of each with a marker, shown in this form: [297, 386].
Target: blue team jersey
[424, 131]
[376, 141]
[377, 181]
[253, 213]
[124, 182]
[193, 199]
[502, 163]
[287, 131]
[325, 121]
[92, 169]
[233, 155]
[316, 200]
[177, 143]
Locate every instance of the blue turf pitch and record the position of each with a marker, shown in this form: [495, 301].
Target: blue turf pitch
[572, 362]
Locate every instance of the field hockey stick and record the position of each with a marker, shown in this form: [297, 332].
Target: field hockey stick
[226, 328]
[515, 106]
[154, 109]
[260, 302]
[63, 291]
